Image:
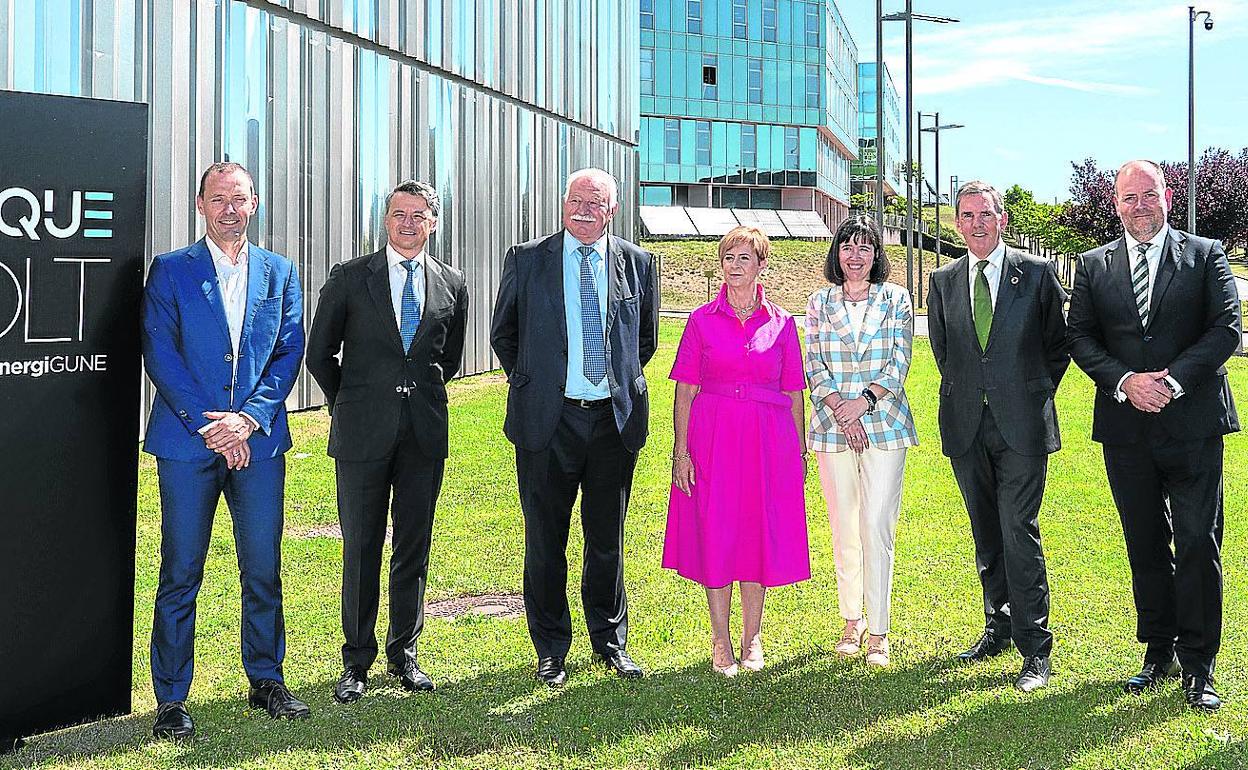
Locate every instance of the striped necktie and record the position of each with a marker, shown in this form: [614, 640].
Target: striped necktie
[1139, 282]
[409, 309]
[592, 340]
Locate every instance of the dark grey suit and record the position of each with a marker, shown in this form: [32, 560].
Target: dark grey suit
[998, 424]
[561, 446]
[388, 433]
[1165, 469]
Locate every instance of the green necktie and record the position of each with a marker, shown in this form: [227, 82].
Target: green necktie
[983, 305]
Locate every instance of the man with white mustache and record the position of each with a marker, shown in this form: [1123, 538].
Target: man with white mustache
[397, 318]
[997, 331]
[575, 321]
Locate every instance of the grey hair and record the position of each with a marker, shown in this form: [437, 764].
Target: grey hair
[426, 191]
[978, 187]
[598, 175]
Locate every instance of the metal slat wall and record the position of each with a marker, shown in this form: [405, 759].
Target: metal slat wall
[331, 102]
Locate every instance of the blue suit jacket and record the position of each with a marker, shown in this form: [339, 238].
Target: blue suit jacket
[186, 348]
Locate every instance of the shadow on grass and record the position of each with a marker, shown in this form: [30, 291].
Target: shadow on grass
[674, 717]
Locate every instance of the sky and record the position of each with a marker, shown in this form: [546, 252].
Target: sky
[1040, 84]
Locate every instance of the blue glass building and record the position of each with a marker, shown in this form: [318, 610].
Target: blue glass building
[864, 169]
[748, 104]
[331, 102]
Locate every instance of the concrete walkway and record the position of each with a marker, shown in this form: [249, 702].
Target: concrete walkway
[920, 321]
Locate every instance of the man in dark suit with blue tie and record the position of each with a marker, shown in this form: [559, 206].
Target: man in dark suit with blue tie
[575, 321]
[1154, 316]
[222, 341]
[397, 317]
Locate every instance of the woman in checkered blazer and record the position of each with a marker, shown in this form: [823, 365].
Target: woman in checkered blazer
[859, 332]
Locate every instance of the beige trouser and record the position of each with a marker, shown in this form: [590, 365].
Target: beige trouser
[863, 494]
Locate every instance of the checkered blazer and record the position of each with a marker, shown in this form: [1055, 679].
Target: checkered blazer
[837, 363]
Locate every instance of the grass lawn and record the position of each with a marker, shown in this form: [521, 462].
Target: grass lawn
[794, 271]
[806, 709]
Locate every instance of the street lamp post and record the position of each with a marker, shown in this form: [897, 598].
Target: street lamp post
[909, 17]
[1192, 16]
[936, 129]
[879, 114]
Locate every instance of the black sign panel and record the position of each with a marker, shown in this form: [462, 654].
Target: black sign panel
[73, 186]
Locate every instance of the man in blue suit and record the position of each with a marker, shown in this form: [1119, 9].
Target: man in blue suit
[222, 341]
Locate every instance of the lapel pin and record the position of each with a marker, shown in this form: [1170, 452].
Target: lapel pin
[1014, 280]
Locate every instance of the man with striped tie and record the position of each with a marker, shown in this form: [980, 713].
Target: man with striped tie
[398, 317]
[575, 321]
[1153, 318]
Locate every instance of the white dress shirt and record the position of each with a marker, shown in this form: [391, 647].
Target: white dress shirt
[232, 283]
[1153, 255]
[398, 277]
[992, 272]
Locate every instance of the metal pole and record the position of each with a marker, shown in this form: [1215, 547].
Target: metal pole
[909, 156]
[918, 138]
[937, 172]
[1191, 119]
[879, 114]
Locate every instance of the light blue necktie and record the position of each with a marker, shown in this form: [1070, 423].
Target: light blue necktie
[592, 340]
[409, 310]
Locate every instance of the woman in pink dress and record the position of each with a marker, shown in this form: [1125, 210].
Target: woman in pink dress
[737, 511]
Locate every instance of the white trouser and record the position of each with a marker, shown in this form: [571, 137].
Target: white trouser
[863, 494]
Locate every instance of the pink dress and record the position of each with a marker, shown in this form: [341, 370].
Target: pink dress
[745, 519]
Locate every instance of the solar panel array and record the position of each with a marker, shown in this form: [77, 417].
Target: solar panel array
[693, 222]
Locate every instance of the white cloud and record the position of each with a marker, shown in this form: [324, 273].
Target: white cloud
[1080, 46]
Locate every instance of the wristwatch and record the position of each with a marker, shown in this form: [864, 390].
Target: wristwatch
[871, 399]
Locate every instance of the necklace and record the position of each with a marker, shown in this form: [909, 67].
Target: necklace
[855, 300]
[744, 312]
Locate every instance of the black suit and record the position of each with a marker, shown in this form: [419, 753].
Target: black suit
[560, 446]
[388, 430]
[1165, 469]
[998, 424]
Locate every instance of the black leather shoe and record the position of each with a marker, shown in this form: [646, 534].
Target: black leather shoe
[10, 745]
[1035, 674]
[622, 665]
[351, 685]
[272, 696]
[173, 722]
[551, 671]
[1200, 693]
[1151, 675]
[989, 646]
[412, 678]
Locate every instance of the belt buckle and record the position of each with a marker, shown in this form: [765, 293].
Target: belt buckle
[740, 392]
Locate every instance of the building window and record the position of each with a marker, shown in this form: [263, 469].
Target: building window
[740, 16]
[710, 78]
[812, 24]
[791, 148]
[671, 141]
[702, 155]
[647, 14]
[749, 148]
[769, 21]
[812, 85]
[647, 71]
[693, 17]
[754, 81]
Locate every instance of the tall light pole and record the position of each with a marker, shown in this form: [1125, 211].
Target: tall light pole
[909, 17]
[879, 114]
[936, 129]
[1192, 16]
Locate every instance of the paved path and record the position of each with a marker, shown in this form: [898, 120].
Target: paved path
[920, 321]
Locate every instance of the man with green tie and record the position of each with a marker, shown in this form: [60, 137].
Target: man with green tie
[999, 337]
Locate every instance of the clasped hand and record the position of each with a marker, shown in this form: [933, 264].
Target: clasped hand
[1147, 391]
[848, 413]
[227, 436]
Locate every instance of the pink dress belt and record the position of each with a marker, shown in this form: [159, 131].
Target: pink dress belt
[746, 392]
